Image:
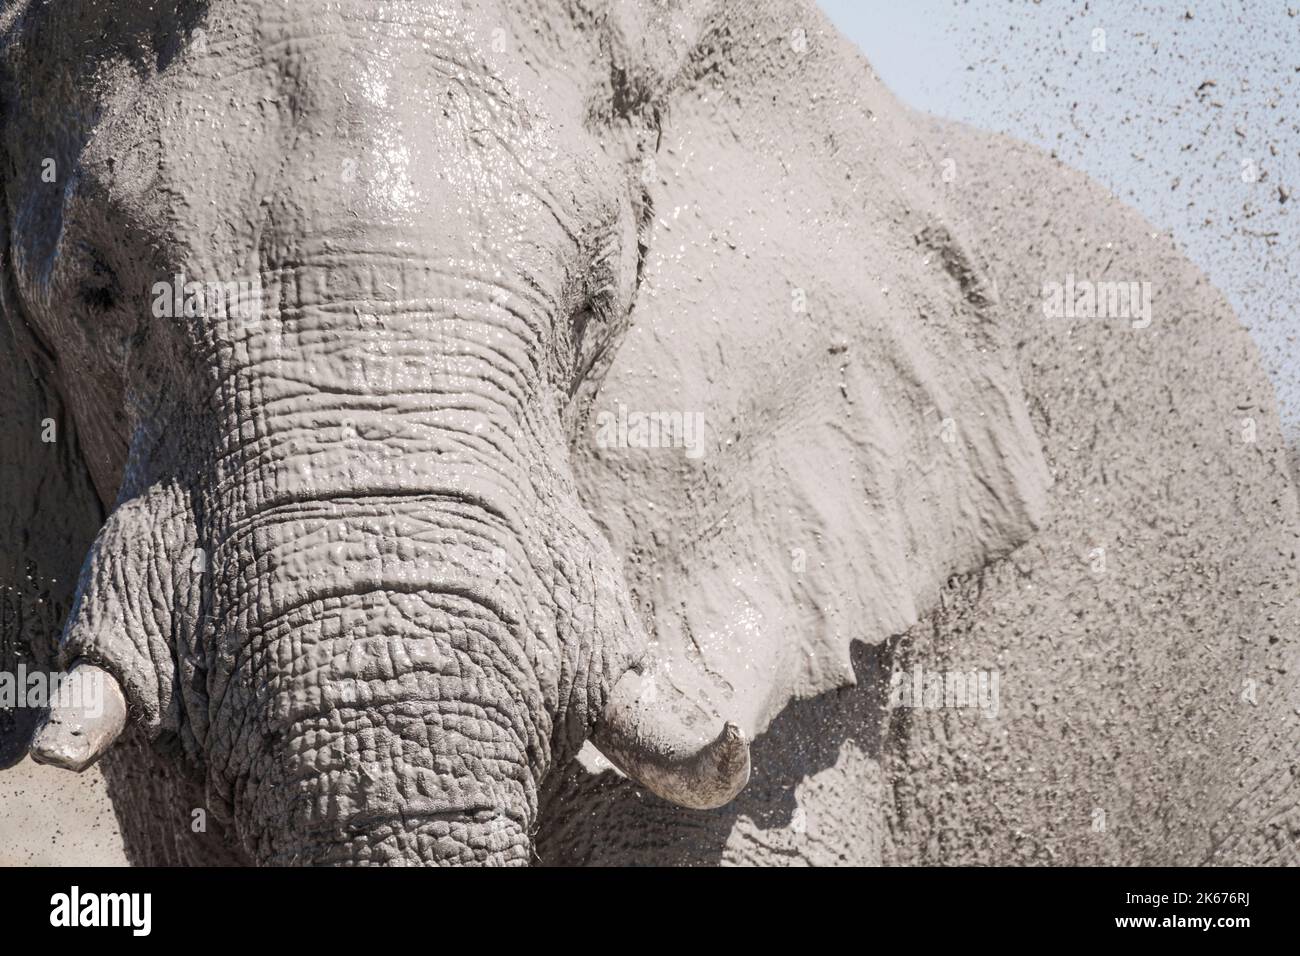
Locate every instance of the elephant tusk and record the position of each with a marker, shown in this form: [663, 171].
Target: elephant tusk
[87, 714]
[658, 739]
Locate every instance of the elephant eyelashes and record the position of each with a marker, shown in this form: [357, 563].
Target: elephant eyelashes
[584, 355]
[99, 298]
[588, 330]
[101, 291]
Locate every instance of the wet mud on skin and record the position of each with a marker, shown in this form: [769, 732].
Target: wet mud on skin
[901, 466]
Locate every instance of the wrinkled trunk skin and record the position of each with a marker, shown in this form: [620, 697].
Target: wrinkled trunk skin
[381, 528]
[377, 714]
[399, 739]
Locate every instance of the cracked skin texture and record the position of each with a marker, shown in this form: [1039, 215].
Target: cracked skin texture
[826, 537]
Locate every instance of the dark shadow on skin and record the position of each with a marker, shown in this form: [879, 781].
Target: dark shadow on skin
[17, 727]
[604, 819]
[155, 798]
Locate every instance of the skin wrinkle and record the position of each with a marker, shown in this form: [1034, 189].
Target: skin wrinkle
[341, 412]
[319, 778]
[133, 638]
[398, 702]
[445, 712]
[512, 666]
[316, 411]
[420, 726]
[337, 337]
[373, 707]
[454, 482]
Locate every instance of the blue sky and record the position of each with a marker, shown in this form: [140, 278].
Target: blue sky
[1190, 112]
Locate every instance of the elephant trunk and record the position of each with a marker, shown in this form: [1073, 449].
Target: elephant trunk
[393, 731]
[384, 702]
[380, 592]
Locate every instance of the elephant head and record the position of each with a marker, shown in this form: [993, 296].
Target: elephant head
[338, 298]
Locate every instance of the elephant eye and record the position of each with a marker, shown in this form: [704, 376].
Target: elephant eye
[100, 291]
[101, 298]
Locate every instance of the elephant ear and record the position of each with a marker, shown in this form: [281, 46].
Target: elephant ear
[811, 423]
[49, 510]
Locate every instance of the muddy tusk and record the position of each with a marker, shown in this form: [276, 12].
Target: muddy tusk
[87, 714]
[660, 740]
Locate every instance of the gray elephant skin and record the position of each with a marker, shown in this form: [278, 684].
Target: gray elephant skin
[452, 433]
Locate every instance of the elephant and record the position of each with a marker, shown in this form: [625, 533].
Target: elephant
[581, 433]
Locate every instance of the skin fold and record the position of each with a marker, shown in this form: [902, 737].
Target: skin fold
[374, 587]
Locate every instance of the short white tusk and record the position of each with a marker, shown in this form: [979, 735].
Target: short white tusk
[657, 737]
[87, 714]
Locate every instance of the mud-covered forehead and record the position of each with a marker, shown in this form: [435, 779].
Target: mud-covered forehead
[217, 135]
[596, 61]
[211, 82]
